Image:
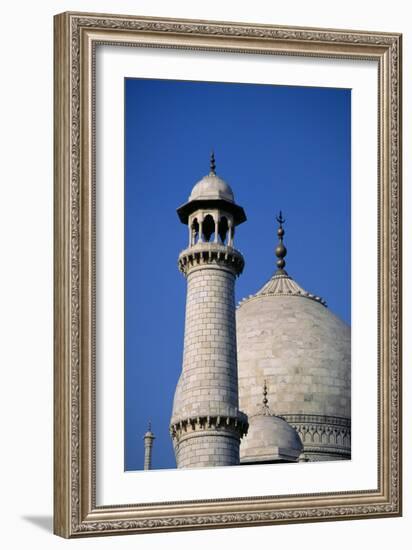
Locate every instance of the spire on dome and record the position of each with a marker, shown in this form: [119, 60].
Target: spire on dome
[280, 250]
[266, 409]
[212, 163]
[263, 409]
[281, 284]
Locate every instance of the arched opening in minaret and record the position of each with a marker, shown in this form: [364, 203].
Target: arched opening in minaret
[195, 231]
[223, 229]
[208, 228]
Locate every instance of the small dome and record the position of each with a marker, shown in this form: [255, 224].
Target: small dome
[212, 187]
[270, 439]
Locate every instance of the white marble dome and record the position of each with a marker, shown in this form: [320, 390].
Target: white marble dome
[289, 338]
[212, 187]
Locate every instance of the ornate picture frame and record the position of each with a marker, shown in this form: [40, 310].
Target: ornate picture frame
[76, 512]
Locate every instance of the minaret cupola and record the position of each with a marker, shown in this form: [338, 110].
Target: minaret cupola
[211, 212]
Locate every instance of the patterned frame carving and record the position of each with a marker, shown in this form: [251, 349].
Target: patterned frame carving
[75, 510]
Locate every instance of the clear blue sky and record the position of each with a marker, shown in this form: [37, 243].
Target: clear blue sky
[278, 147]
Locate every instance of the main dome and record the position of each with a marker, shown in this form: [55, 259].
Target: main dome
[303, 351]
[289, 338]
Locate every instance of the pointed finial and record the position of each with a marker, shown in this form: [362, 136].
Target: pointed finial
[149, 432]
[265, 399]
[212, 163]
[280, 218]
[280, 250]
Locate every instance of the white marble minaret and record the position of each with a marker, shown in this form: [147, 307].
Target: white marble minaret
[206, 424]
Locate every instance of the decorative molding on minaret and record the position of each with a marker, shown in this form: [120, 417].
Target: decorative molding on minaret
[148, 447]
[206, 424]
[208, 255]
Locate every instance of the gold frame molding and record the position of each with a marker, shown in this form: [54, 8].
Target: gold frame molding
[75, 38]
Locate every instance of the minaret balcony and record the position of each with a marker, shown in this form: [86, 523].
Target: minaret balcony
[237, 422]
[211, 254]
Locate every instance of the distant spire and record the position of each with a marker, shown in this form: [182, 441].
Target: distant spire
[280, 250]
[148, 445]
[212, 163]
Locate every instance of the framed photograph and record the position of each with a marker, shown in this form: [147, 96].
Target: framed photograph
[227, 274]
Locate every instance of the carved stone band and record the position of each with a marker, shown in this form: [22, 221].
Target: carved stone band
[210, 254]
[322, 434]
[238, 423]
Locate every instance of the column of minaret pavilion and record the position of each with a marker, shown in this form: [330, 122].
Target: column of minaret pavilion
[206, 424]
